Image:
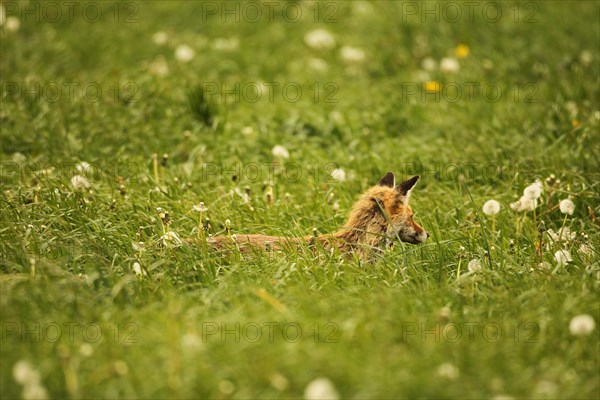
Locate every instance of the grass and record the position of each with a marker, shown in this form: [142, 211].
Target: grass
[414, 323]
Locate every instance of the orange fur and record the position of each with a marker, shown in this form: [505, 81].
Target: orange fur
[380, 215]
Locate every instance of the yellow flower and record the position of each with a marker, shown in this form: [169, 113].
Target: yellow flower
[575, 123]
[432, 86]
[461, 51]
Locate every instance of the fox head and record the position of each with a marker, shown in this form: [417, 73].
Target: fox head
[392, 201]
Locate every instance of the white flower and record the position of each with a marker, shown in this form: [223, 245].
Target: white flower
[449, 371]
[585, 249]
[534, 191]
[491, 207]
[319, 39]
[200, 207]
[524, 204]
[79, 182]
[159, 67]
[563, 235]
[280, 152]
[86, 349]
[582, 325]
[138, 247]
[137, 268]
[247, 130]
[449, 65]
[34, 392]
[563, 257]
[160, 38]
[225, 44]
[318, 64]
[429, 64]
[586, 57]
[352, 54]
[191, 342]
[338, 174]
[321, 389]
[171, 237]
[567, 206]
[184, 53]
[83, 167]
[12, 24]
[572, 108]
[25, 374]
[474, 265]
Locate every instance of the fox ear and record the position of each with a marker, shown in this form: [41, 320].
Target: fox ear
[388, 180]
[406, 186]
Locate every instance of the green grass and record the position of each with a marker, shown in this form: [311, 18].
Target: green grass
[377, 330]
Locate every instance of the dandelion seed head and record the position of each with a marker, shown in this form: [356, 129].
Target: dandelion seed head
[352, 54]
[280, 152]
[563, 257]
[567, 206]
[79, 182]
[491, 207]
[429, 64]
[338, 174]
[582, 325]
[160, 38]
[474, 265]
[321, 389]
[449, 65]
[184, 53]
[319, 39]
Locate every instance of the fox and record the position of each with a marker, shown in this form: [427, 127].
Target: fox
[380, 217]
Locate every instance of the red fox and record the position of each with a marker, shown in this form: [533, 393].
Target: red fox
[379, 217]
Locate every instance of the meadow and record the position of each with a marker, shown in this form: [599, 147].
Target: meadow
[129, 127]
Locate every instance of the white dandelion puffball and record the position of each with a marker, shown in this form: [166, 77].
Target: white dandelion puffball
[352, 54]
[79, 182]
[318, 64]
[159, 67]
[533, 191]
[429, 64]
[448, 371]
[160, 38]
[280, 151]
[83, 167]
[321, 389]
[582, 325]
[567, 206]
[25, 374]
[491, 207]
[12, 24]
[184, 53]
[474, 265]
[524, 204]
[200, 207]
[563, 257]
[319, 39]
[137, 268]
[171, 238]
[338, 174]
[449, 65]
